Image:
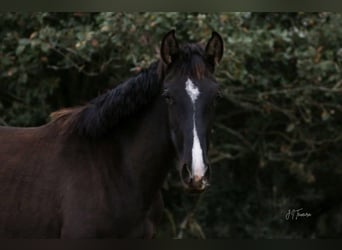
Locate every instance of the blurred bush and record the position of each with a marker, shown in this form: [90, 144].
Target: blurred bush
[277, 138]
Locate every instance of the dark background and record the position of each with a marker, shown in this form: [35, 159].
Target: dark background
[276, 142]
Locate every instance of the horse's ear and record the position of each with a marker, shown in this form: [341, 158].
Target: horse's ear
[214, 49]
[169, 47]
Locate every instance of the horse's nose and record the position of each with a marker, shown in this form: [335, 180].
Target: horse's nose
[199, 183]
[195, 183]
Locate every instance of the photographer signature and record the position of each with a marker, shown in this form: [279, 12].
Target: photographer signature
[294, 214]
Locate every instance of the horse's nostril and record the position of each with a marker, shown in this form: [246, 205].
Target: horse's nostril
[205, 182]
[186, 174]
[207, 173]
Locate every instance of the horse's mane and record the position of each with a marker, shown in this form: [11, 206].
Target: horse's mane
[103, 113]
[107, 110]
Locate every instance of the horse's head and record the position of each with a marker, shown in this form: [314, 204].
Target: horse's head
[190, 90]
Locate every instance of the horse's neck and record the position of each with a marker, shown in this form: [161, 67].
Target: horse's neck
[148, 152]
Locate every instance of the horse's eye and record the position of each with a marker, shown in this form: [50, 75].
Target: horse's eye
[217, 98]
[168, 97]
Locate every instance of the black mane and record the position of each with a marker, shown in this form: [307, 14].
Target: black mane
[101, 114]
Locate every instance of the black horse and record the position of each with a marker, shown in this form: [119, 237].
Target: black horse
[96, 171]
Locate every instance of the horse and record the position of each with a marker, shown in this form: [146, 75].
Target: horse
[97, 170]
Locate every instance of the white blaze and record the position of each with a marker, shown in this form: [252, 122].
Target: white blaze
[198, 166]
[192, 91]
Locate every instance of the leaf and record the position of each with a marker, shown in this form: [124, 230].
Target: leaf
[290, 127]
[45, 47]
[23, 78]
[20, 49]
[24, 41]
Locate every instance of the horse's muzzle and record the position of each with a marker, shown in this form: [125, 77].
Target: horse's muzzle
[194, 184]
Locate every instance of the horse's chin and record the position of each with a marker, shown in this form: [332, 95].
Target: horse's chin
[192, 190]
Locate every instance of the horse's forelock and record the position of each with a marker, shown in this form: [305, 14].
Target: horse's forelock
[190, 61]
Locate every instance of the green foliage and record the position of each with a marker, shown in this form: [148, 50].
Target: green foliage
[277, 137]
